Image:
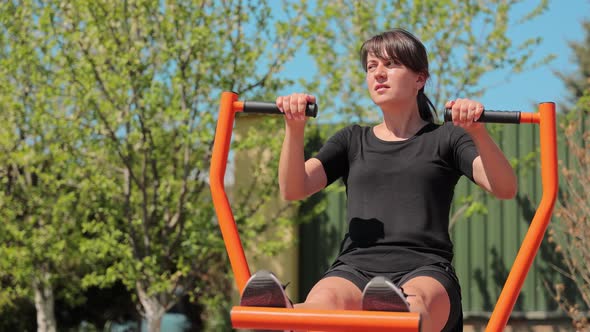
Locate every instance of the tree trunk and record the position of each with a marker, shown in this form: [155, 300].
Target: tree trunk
[154, 323]
[153, 310]
[44, 303]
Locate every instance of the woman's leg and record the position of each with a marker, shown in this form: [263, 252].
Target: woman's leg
[333, 293]
[428, 296]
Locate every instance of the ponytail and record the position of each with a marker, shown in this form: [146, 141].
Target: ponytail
[425, 107]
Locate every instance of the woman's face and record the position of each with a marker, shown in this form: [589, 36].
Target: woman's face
[390, 82]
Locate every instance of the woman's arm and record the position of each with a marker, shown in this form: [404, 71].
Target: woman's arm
[491, 169]
[297, 178]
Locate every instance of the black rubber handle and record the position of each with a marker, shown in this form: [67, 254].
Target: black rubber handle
[491, 116]
[271, 108]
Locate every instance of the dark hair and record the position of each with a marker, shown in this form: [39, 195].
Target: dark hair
[401, 46]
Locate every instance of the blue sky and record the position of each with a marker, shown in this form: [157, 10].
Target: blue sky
[558, 25]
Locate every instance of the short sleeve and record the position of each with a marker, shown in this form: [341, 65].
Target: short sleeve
[464, 151]
[334, 155]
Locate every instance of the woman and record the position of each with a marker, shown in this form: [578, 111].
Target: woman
[400, 177]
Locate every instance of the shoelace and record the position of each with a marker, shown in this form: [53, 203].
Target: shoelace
[403, 292]
[285, 288]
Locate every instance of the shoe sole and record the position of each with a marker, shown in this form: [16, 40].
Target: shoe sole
[263, 289]
[381, 294]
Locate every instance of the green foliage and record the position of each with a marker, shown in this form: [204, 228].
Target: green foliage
[217, 315]
[40, 173]
[150, 80]
[572, 231]
[256, 205]
[465, 40]
[108, 116]
[578, 81]
[469, 206]
[111, 108]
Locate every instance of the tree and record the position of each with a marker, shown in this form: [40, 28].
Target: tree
[42, 183]
[149, 76]
[465, 40]
[578, 82]
[142, 79]
[571, 231]
[138, 82]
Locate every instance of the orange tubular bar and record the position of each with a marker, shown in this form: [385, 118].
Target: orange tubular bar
[225, 217]
[276, 318]
[529, 117]
[534, 236]
[238, 106]
[324, 320]
[349, 320]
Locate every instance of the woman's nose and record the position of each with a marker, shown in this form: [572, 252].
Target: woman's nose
[380, 72]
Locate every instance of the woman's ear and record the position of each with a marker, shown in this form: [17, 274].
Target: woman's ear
[420, 81]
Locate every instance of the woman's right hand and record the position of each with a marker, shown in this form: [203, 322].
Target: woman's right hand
[294, 105]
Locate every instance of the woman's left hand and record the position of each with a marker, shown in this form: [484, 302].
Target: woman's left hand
[465, 113]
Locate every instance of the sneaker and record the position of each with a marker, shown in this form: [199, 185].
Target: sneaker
[264, 289]
[381, 294]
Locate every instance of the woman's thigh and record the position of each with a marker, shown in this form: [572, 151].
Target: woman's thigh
[435, 290]
[333, 293]
[429, 297]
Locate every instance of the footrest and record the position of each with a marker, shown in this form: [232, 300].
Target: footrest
[323, 320]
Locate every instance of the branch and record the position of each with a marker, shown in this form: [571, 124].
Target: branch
[278, 45]
[128, 171]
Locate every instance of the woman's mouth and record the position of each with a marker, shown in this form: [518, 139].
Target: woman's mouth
[381, 87]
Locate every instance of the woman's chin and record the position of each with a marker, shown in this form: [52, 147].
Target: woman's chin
[381, 100]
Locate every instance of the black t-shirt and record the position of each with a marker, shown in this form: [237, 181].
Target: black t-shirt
[398, 194]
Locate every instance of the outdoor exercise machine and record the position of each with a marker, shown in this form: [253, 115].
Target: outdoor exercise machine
[357, 320]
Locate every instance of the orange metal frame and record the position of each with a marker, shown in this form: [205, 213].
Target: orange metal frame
[352, 320]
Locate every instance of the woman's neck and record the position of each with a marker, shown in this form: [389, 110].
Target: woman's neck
[400, 123]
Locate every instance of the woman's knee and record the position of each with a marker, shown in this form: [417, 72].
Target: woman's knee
[327, 296]
[335, 293]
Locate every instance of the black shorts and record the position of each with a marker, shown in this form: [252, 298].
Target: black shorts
[442, 272]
